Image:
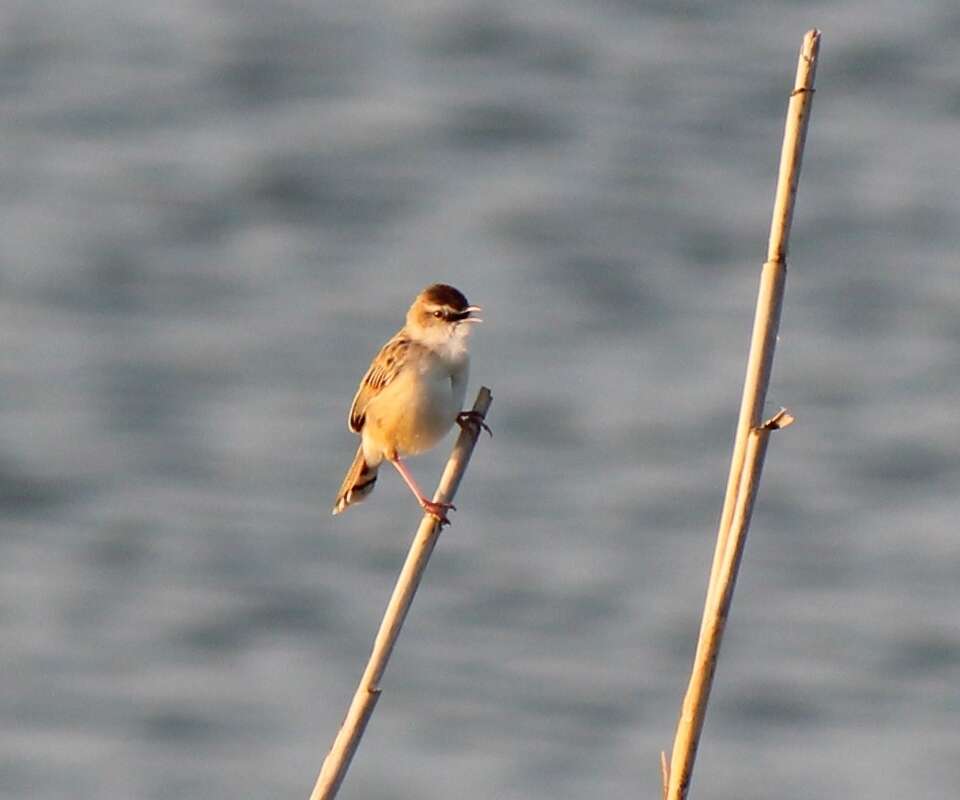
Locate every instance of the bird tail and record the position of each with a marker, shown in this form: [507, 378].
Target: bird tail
[358, 484]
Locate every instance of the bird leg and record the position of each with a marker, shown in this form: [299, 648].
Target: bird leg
[465, 418]
[438, 510]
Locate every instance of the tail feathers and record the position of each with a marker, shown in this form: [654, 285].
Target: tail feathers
[359, 482]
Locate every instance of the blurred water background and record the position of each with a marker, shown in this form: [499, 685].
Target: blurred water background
[213, 213]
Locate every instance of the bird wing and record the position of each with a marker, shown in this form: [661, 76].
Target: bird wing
[390, 361]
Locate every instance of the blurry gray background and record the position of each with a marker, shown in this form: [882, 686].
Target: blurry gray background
[213, 214]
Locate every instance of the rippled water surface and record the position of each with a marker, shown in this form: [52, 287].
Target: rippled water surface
[212, 216]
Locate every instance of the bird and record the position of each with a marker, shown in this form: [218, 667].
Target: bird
[412, 394]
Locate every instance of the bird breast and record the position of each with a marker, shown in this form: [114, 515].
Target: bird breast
[418, 408]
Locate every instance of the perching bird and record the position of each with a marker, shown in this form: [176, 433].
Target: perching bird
[412, 394]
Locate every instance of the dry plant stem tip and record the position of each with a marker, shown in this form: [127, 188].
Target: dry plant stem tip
[750, 441]
[774, 273]
[368, 692]
[664, 773]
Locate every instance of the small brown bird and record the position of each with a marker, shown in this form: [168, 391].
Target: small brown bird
[412, 394]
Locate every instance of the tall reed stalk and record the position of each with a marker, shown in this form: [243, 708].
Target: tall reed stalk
[750, 442]
[337, 762]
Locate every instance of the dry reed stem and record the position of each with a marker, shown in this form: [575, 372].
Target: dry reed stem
[751, 437]
[664, 773]
[337, 762]
[774, 273]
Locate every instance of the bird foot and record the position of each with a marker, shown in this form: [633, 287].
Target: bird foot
[438, 510]
[475, 418]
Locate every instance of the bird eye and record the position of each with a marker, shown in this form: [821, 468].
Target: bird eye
[438, 314]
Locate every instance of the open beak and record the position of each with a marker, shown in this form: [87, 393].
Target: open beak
[472, 310]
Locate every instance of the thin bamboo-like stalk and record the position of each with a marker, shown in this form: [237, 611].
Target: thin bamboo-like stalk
[337, 762]
[774, 273]
[751, 437]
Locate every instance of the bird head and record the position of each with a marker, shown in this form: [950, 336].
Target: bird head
[440, 313]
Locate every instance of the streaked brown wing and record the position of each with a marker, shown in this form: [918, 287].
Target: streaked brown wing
[385, 367]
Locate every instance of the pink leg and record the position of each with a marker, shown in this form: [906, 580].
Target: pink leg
[437, 509]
